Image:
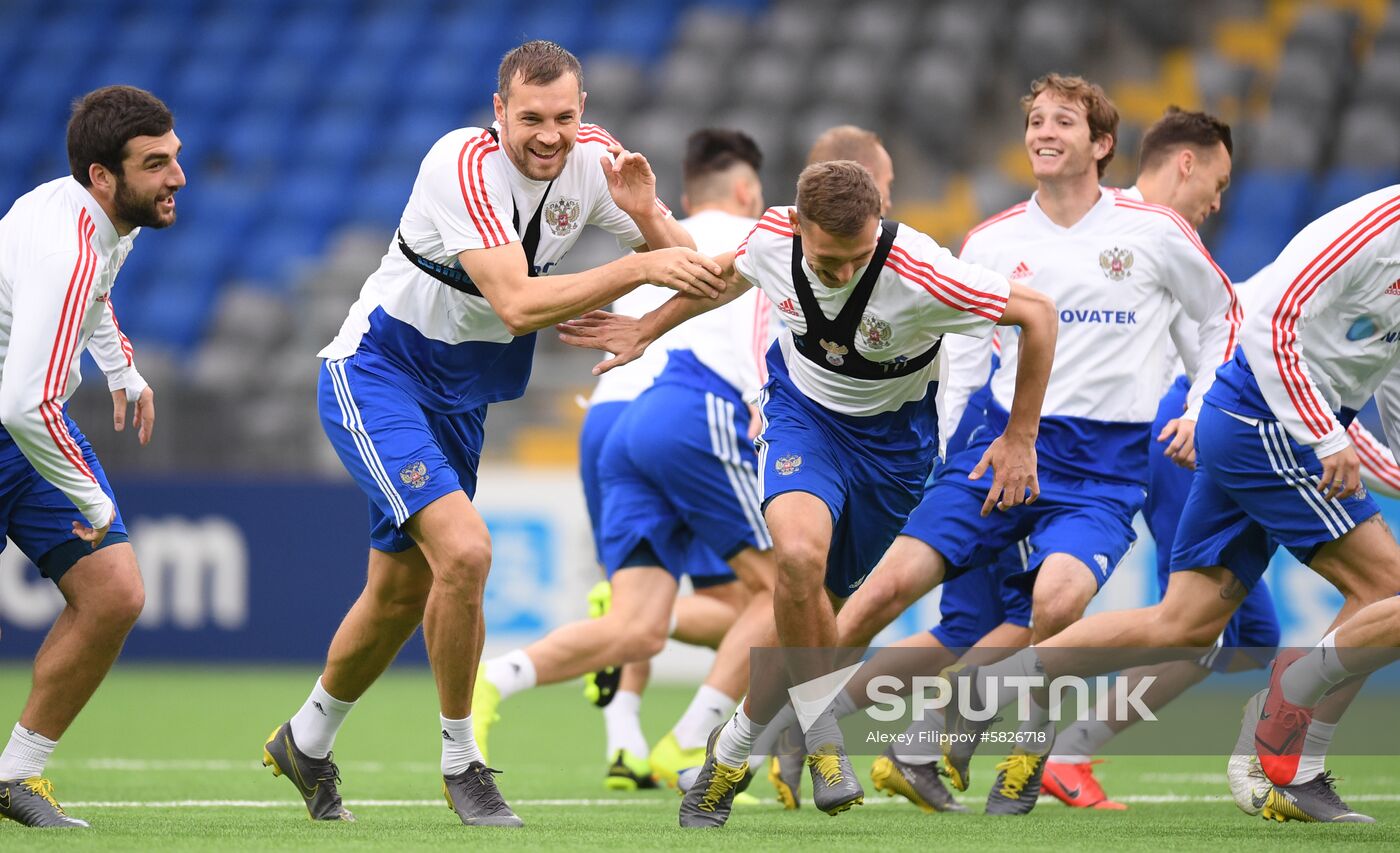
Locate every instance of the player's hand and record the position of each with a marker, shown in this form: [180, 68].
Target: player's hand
[755, 422]
[1013, 465]
[1181, 432]
[94, 537]
[683, 270]
[1341, 474]
[145, 420]
[602, 330]
[630, 181]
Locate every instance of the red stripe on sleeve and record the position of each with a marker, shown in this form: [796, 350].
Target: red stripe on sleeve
[940, 292]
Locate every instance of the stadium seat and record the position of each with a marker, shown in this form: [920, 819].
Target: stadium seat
[637, 29]
[615, 82]
[1379, 84]
[719, 33]
[1307, 82]
[1286, 140]
[1370, 138]
[1343, 184]
[689, 80]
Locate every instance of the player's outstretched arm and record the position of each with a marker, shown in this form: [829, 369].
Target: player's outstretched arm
[628, 337]
[526, 304]
[632, 185]
[1012, 455]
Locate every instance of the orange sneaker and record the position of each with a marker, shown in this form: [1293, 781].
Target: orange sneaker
[1075, 786]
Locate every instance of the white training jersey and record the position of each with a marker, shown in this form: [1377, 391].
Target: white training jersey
[1117, 276]
[732, 339]
[1322, 333]
[922, 293]
[59, 255]
[451, 347]
[625, 383]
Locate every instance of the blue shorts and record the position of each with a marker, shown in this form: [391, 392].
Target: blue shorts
[977, 601]
[678, 475]
[870, 471]
[597, 423]
[1255, 488]
[402, 455]
[1091, 520]
[39, 518]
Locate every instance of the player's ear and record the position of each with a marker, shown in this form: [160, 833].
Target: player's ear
[792, 220]
[499, 107]
[1186, 164]
[582, 102]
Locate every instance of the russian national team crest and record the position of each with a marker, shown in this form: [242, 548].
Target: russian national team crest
[1117, 263]
[789, 464]
[835, 353]
[874, 332]
[562, 216]
[414, 475]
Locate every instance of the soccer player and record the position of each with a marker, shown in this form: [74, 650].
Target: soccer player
[679, 486]
[1274, 466]
[850, 421]
[444, 327]
[1119, 270]
[61, 246]
[848, 142]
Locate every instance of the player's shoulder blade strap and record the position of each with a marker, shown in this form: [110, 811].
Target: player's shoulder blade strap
[456, 277]
[831, 343]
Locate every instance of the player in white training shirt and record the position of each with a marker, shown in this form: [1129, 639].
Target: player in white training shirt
[677, 493]
[444, 327]
[850, 422]
[61, 246]
[1274, 466]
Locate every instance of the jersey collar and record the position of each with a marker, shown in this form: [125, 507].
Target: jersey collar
[104, 230]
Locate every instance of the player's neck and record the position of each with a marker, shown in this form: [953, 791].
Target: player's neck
[1067, 202]
[733, 208]
[1155, 188]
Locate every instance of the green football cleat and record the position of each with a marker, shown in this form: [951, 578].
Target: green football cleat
[30, 802]
[314, 778]
[486, 699]
[668, 760]
[629, 773]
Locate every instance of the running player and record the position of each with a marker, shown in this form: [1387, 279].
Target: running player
[850, 421]
[678, 485]
[61, 246]
[1275, 467]
[1119, 269]
[444, 327]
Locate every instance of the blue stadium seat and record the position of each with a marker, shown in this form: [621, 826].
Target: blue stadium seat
[276, 248]
[1242, 250]
[379, 197]
[1270, 199]
[571, 25]
[1342, 185]
[640, 30]
[336, 140]
[232, 31]
[256, 141]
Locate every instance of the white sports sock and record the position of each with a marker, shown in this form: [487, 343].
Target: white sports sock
[511, 673]
[623, 719]
[1079, 743]
[922, 745]
[25, 755]
[459, 747]
[735, 741]
[315, 725]
[1314, 758]
[1026, 662]
[707, 709]
[824, 731]
[1309, 678]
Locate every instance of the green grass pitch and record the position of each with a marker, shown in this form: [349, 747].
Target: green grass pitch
[169, 759]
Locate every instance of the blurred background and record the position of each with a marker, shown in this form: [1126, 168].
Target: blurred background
[304, 123]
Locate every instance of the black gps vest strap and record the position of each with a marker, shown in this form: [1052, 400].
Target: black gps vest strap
[456, 277]
[831, 343]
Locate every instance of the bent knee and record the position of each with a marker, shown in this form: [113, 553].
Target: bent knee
[642, 642]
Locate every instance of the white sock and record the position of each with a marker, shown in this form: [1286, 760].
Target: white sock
[1079, 743]
[767, 743]
[1309, 678]
[707, 709]
[735, 742]
[1026, 662]
[922, 746]
[315, 725]
[824, 731]
[511, 673]
[25, 755]
[1314, 758]
[844, 706]
[459, 747]
[623, 719]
